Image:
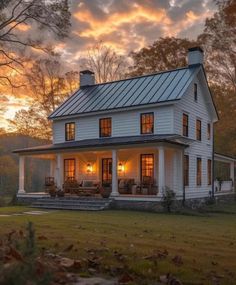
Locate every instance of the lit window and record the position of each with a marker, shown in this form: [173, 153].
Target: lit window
[195, 92]
[199, 171]
[186, 170]
[70, 131]
[199, 130]
[147, 123]
[105, 127]
[209, 171]
[208, 131]
[147, 167]
[69, 169]
[185, 125]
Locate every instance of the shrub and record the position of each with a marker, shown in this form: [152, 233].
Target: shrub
[168, 199]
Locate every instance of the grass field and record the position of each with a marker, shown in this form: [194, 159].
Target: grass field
[205, 243]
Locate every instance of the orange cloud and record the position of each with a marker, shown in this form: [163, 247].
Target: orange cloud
[114, 21]
[21, 27]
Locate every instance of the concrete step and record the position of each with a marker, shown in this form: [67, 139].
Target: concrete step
[80, 203]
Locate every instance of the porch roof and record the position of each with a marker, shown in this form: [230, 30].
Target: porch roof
[107, 142]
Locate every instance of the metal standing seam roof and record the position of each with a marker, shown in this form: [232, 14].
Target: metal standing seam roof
[108, 142]
[149, 89]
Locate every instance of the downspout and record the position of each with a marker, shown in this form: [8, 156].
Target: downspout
[213, 163]
[183, 202]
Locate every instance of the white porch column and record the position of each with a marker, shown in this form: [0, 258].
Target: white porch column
[21, 175]
[161, 170]
[59, 171]
[114, 174]
[175, 171]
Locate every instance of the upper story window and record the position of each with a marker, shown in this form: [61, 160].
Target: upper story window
[105, 127]
[208, 131]
[185, 125]
[199, 171]
[186, 170]
[147, 123]
[70, 131]
[198, 130]
[195, 92]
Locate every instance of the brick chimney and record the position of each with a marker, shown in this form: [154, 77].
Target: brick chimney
[195, 56]
[87, 78]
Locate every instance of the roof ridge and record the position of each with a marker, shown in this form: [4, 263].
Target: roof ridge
[144, 75]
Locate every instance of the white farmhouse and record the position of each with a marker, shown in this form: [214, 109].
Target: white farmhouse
[136, 136]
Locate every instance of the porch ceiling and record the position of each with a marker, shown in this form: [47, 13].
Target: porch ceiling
[107, 142]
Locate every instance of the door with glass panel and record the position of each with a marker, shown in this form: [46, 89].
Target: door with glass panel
[106, 170]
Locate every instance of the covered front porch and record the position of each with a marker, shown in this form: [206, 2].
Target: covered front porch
[131, 171]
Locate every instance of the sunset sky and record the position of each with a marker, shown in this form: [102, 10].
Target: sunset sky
[121, 24]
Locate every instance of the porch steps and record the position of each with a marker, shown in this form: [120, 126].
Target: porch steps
[72, 203]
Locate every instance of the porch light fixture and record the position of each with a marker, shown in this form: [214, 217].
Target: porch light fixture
[121, 167]
[89, 168]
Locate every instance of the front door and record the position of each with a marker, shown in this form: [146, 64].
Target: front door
[106, 170]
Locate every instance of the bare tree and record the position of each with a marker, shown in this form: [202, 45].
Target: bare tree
[105, 63]
[48, 87]
[52, 16]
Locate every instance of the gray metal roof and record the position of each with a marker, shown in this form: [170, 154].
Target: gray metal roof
[143, 90]
[106, 142]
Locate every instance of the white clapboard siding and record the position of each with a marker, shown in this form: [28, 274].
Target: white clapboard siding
[203, 149]
[125, 123]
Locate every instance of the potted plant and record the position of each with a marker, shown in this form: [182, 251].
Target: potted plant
[105, 189]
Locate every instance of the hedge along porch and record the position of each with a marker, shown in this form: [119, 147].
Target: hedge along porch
[162, 161]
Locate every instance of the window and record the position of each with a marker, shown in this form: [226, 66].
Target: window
[186, 170]
[147, 167]
[69, 169]
[105, 127]
[208, 131]
[195, 92]
[199, 130]
[70, 131]
[106, 170]
[209, 171]
[147, 123]
[199, 171]
[185, 125]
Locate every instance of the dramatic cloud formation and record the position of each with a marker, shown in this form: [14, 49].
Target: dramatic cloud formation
[122, 24]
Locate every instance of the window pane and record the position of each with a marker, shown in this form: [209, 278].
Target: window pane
[199, 130]
[147, 166]
[199, 171]
[69, 169]
[147, 123]
[70, 131]
[105, 127]
[185, 125]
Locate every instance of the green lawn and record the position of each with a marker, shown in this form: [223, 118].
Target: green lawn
[206, 243]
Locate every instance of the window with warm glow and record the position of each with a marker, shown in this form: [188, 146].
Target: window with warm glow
[186, 170]
[208, 131]
[105, 127]
[69, 169]
[195, 92]
[70, 131]
[185, 125]
[199, 130]
[199, 171]
[147, 123]
[147, 166]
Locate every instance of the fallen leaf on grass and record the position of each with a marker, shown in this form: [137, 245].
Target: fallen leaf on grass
[42, 237]
[177, 260]
[15, 254]
[125, 278]
[68, 248]
[169, 279]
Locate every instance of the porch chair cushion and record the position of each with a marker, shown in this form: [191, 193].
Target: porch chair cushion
[87, 183]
